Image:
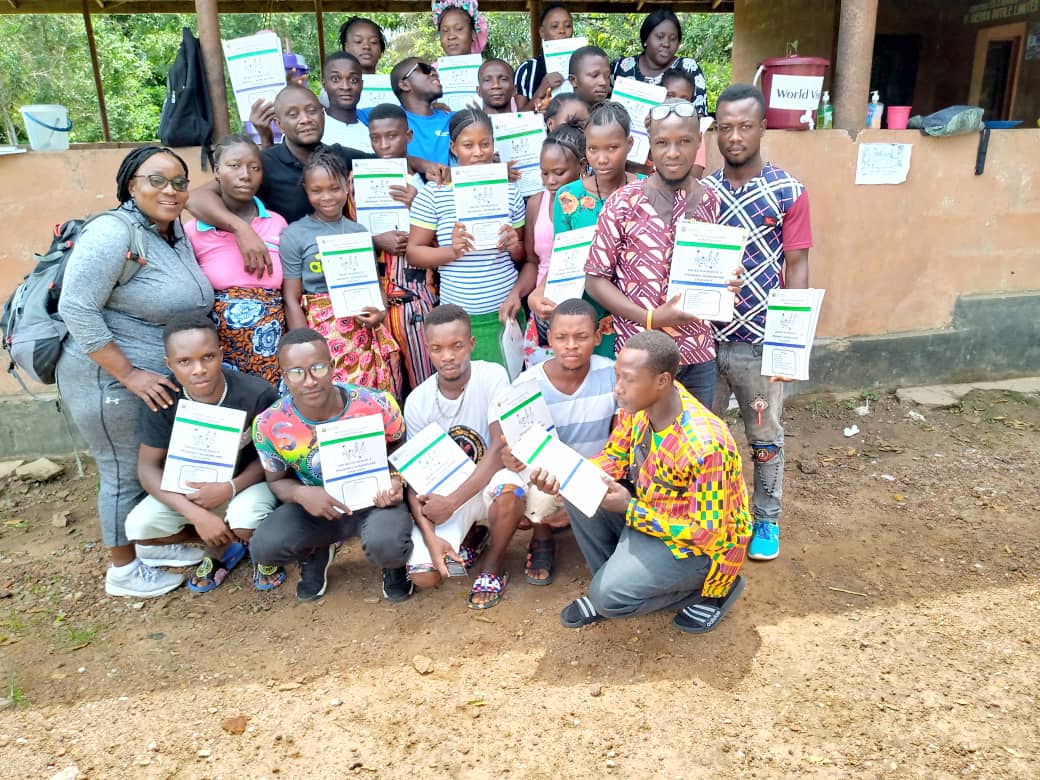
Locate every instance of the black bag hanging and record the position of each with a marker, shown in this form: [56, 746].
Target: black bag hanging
[186, 118]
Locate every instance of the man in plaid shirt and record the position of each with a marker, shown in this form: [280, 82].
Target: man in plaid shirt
[774, 208]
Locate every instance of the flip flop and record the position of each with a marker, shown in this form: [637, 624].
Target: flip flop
[541, 555]
[217, 571]
[267, 570]
[702, 616]
[487, 583]
[470, 553]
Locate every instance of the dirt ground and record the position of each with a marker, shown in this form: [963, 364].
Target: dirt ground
[898, 635]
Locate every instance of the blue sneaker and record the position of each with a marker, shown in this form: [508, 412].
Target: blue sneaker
[765, 541]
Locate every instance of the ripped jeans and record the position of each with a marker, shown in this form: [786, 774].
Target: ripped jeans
[740, 372]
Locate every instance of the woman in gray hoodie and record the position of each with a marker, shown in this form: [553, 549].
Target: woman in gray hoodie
[122, 284]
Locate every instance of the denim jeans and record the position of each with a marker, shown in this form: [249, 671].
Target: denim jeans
[699, 380]
[740, 371]
[633, 573]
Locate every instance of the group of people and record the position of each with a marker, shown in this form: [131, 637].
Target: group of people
[231, 308]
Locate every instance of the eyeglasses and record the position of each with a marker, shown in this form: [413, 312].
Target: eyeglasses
[684, 109]
[422, 67]
[157, 180]
[297, 374]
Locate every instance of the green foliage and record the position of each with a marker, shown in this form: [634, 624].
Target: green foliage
[46, 59]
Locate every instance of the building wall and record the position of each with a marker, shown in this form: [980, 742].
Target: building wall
[763, 29]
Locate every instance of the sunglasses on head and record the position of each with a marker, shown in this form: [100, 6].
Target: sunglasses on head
[422, 67]
[684, 109]
[159, 182]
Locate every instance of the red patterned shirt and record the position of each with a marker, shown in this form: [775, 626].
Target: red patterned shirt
[633, 249]
[690, 493]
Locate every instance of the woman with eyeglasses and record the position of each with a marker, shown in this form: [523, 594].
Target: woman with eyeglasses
[126, 277]
[248, 310]
[661, 36]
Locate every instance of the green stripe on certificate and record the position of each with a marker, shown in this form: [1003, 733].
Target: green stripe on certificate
[704, 245]
[332, 252]
[202, 424]
[644, 101]
[511, 136]
[481, 183]
[371, 435]
[521, 405]
[572, 246]
[234, 57]
[459, 67]
[539, 448]
[789, 308]
[379, 176]
[424, 450]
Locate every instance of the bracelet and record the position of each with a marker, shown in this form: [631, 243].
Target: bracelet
[234, 490]
[649, 319]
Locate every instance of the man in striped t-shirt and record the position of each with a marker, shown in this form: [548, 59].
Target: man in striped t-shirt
[774, 207]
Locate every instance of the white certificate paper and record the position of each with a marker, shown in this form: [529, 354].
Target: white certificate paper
[431, 462]
[459, 80]
[349, 264]
[558, 59]
[521, 407]
[482, 201]
[376, 209]
[703, 261]
[638, 98]
[581, 482]
[376, 90]
[791, 317]
[518, 139]
[353, 459]
[566, 277]
[512, 343]
[204, 445]
[256, 69]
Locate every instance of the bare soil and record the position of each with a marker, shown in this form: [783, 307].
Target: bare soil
[898, 635]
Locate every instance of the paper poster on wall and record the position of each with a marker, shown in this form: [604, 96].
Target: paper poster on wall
[1033, 42]
[883, 163]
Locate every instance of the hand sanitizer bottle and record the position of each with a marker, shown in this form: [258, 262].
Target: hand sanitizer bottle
[826, 113]
[874, 111]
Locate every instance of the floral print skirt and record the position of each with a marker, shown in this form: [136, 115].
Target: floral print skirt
[250, 322]
[360, 355]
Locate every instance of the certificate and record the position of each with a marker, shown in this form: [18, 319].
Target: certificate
[376, 90]
[349, 264]
[512, 343]
[518, 139]
[459, 80]
[256, 69]
[581, 482]
[566, 276]
[376, 209]
[353, 459]
[204, 445]
[521, 407]
[791, 317]
[638, 98]
[557, 56]
[431, 462]
[703, 261]
[482, 201]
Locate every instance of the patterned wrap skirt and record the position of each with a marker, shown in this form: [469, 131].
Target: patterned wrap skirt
[250, 323]
[360, 355]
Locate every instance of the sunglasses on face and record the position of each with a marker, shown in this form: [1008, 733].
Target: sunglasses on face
[297, 374]
[684, 110]
[159, 182]
[422, 67]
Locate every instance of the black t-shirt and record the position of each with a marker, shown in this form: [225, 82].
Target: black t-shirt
[281, 190]
[245, 391]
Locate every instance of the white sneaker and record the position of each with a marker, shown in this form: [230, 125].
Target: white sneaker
[143, 581]
[170, 554]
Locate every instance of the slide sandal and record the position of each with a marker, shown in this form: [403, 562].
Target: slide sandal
[703, 616]
[213, 572]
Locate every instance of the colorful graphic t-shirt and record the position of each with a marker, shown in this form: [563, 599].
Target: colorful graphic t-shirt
[286, 440]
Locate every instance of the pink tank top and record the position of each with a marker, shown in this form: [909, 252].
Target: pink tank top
[543, 234]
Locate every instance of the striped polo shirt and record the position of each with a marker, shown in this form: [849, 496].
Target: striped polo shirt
[583, 419]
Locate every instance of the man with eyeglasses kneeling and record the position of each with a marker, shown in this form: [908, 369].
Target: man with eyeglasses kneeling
[310, 523]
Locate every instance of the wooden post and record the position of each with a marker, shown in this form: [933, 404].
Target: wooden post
[89, 25]
[535, 7]
[318, 11]
[852, 69]
[213, 62]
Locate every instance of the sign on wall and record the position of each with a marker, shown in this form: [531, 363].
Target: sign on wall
[998, 10]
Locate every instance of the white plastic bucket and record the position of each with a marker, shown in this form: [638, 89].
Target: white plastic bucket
[48, 127]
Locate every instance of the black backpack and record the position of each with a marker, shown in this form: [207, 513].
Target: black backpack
[33, 331]
[186, 118]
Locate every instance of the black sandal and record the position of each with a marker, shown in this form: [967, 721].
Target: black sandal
[541, 555]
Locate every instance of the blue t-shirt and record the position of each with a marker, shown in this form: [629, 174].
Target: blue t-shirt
[429, 135]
